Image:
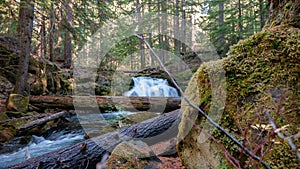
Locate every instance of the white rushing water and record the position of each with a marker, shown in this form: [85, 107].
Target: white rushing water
[151, 87]
[39, 146]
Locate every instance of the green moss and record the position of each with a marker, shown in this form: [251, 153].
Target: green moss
[17, 102]
[262, 73]
[3, 116]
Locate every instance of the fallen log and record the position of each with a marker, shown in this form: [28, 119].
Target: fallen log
[153, 104]
[88, 153]
[33, 117]
[41, 121]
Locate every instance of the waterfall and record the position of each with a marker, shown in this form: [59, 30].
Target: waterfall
[151, 87]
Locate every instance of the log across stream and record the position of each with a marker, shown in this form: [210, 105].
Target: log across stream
[154, 104]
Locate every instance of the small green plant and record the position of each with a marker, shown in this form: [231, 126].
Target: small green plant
[223, 166]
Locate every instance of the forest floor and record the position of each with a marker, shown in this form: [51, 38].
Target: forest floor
[167, 162]
[170, 163]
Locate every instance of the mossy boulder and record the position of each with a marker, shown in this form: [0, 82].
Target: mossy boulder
[6, 87]
[262, 73]
[131, 154]
[17, 102]
[6, 135]
[44, 77]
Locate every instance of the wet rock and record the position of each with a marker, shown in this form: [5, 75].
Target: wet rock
[17, 102]
[6, 135]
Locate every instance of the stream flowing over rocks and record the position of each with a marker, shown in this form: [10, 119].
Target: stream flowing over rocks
[14, 152]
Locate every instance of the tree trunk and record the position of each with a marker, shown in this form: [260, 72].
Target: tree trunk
[284, 12]
[58, 34]
[41, 121]
[25, 33]
[183, 27]
[262, 14]
[88, 153]
[240, 19]
[176, 27]
[51, 33]
[221, 22]
[43, 38]
[221, 39]
[153, 104]
[152, 58]
[160, 36]
[141, 44]
[68, 35]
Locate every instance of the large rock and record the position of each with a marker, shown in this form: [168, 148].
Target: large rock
[18, 103]
[262, 74]
[6, 87]
[131, 154]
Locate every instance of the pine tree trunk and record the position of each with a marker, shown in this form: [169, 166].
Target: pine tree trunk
[240, 19]
[152, 58]
[43, 38]
[141, 44]
[284, 12]
[262, 15]
[25, 33]
[176, 27]
[51, 33]
[183, 27]
[221, 39]
[68, 35]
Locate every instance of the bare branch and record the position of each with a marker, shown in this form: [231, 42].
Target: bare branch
[211, 121]
[288, 139]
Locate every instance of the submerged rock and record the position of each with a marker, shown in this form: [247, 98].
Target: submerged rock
[261, 74]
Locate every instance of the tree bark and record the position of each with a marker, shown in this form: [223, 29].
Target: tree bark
[150, 38]
[153, 104]
[141, 44]
[88, 153]
[221, 22]
[176, 27]
[240, 19]
[41, 121]
[262, 14]
[183, 27]
[284, 12]
[68, 35]
[43, 48]
[51, 33]
[25, 33]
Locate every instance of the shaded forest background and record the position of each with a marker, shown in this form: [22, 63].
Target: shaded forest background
[61, 28]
